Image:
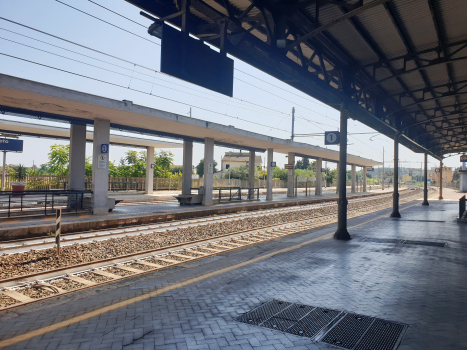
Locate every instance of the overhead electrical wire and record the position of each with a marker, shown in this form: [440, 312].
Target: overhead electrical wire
[134, 64]
[136, 90]
[123, 60]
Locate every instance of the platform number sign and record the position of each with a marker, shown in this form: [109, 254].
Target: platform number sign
[273, 164]
[105, 148]
[437, 170]
[331, 137]
[464, 158]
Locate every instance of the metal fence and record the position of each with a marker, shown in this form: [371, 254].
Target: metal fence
[20, 203]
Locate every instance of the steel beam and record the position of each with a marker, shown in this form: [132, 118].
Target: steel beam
[342, 232]
[440, 180]
[395, 198]
[425, 182]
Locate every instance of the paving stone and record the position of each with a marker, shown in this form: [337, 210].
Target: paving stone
[418, 285]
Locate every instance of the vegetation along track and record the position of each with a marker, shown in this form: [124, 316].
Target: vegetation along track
[142, 253]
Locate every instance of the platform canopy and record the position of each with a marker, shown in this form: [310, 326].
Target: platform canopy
[49, 102]
[400, 65]
[60, 133]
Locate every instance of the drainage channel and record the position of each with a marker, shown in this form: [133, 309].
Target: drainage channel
[404, 241]
[342, 329]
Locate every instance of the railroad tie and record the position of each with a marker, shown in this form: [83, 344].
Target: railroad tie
[17, 296]
[182, 256]
[81, 280]
[106, 274]
[127, 268]
[142, 262]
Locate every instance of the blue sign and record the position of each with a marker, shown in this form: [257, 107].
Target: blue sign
[273, 164]
[331, 137]
[105, 148]
[11, 145]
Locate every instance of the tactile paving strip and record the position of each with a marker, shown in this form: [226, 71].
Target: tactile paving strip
[338, 328]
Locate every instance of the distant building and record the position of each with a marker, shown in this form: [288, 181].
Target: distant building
[236, 159]
[447, 174]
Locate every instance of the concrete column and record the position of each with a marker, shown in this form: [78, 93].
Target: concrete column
[395, 197]
[149, 170]
[353, 178]
[440, 179]
[77, 157]
[341, 232]
[291, 175]
[208, 178]
[4, 171]
[319, 177]
[270, 174]
[364, 179]
[251, 174]
[187, 167]
[425, 182]
[100, 167]
[337, 179]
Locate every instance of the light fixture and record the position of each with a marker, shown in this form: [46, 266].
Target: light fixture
[155, 29]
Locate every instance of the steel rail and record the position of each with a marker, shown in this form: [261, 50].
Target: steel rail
[264, 236]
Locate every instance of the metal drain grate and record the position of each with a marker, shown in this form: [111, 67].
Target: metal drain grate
[263, 312]
[382, 335]
[348, 331]
[278, 323]
[338, 328]
[312, 323]
[295, 312]
[404, 241]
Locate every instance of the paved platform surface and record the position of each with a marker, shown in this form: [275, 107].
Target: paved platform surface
[193, 306]
[145, 207]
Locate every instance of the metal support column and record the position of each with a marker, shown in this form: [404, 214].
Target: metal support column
[341, 232]
[4, 171]
[337, 178]
[440, 179]
[395, 197]
[425, 182]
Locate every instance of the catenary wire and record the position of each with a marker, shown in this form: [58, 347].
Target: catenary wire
[136, 90]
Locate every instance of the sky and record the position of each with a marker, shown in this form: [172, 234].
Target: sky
[126, 68]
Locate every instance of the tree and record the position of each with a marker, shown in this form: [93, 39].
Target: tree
[162, 164]
[303, 164]
[200, 168]
[278, 173]
[59, 158]
[133, 164]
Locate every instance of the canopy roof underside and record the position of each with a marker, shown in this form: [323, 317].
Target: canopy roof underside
[400, 65]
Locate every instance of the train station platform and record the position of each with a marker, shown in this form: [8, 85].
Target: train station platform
[410, 271]
[144, 208]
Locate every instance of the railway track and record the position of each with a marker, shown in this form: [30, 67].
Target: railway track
[22, 245]
[20, 290]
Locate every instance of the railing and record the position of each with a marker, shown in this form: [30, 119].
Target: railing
[252, 193]
[17, 203]
[228, 193]
[461, 206]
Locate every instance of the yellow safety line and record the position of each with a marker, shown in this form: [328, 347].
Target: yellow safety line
[112, 307]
